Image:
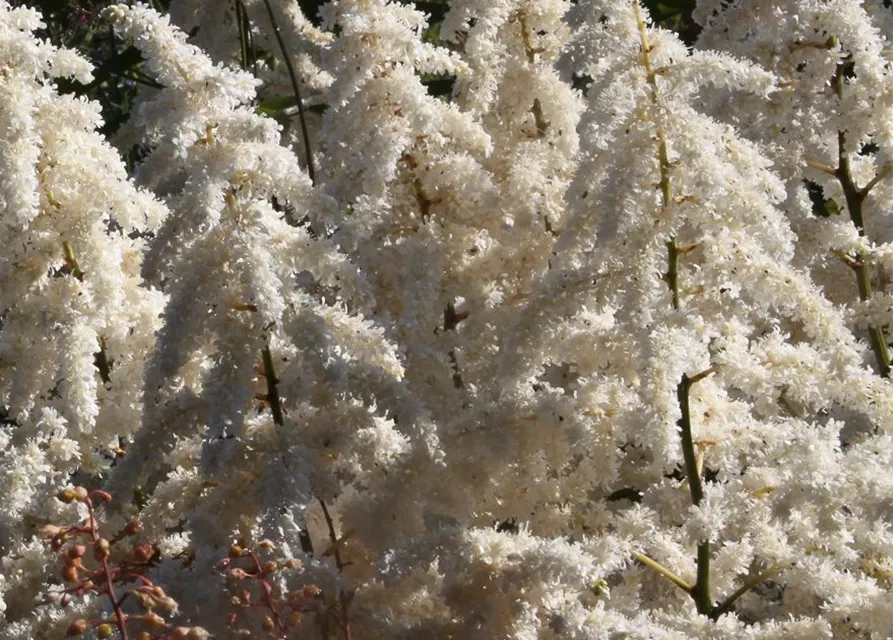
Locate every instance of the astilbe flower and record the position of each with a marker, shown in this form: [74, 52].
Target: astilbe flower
[593, 372]
[829, 132]
[692, 261]
[75, 322]
[259, 357]
[530, 114]
[512, 362]
[217, 34]
[243, 34]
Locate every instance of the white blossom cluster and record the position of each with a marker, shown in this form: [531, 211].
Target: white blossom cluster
[594, 346]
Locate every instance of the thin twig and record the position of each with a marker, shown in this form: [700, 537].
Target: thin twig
[107, 574]
[308, 154]
[666, 190]
[100, 358]
[272, 386]
[669, 575]
[726, 605]
[336, 544]
[880, 175]
[242, 24]
[701, 590]
[821, 166]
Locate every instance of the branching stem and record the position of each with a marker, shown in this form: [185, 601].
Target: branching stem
[669, 575]
[754, 581]
[108, 574]
[343, 596]
[666, 190]
[855, 199]
[700, 592]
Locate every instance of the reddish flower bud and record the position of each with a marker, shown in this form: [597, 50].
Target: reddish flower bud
[70, 573]
[78, 627]
[143, 552]
[154, 619]
[133, 527]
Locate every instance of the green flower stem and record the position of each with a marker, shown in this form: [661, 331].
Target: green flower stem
[672, 274]
[279, 420]
[700, 592]
[273, 399]
[539, 118]
[272, 386]
[669, 575]
[71, 262]
[340, 564]
[242, 23]
[754, 581]
[100, 358]
[666, 190]
[855, 199]
[102, 363]
[272, 396]
[530, 51]
[308, 154]
[875, 334]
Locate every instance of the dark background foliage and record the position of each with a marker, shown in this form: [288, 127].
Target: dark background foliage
[77, 24]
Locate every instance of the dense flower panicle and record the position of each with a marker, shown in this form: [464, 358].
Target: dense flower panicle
[70, 295]
[255, 301]
[593, 345]
[828, 129]
[241, 34]
[70, 300]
